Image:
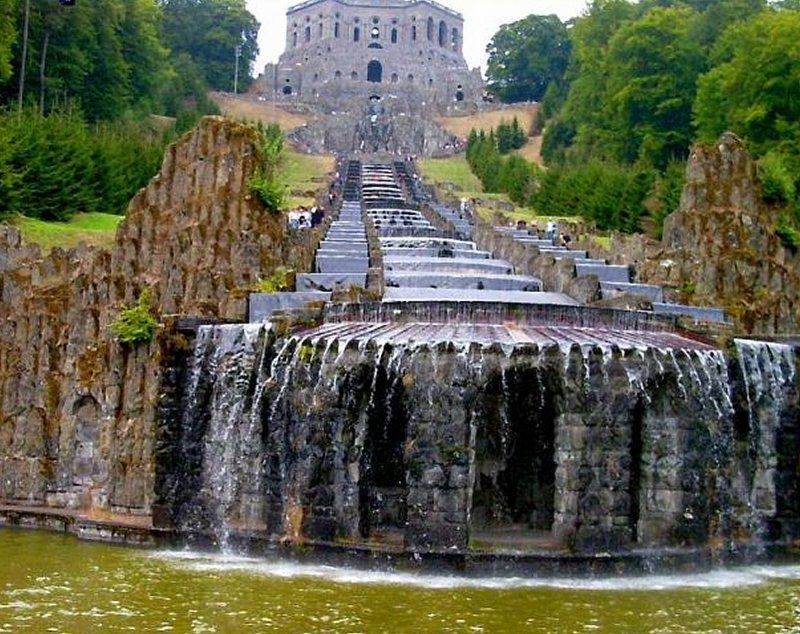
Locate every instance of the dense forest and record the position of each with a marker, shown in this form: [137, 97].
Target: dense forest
[91, 92]
[626, 89]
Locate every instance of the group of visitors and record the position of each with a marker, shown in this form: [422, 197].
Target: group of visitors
[304, 218]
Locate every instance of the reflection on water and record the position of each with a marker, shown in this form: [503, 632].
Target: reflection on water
[52, 583]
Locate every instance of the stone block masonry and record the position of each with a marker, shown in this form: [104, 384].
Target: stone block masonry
[339, 48]
[76, 407]
[446, 446]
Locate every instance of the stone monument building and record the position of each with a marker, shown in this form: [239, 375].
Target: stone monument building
[409, 50]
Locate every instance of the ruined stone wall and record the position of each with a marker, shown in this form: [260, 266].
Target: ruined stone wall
[76, 407]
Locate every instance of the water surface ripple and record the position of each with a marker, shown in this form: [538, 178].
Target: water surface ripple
[53, 583]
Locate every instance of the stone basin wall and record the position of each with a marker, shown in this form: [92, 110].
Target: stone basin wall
[76, 407]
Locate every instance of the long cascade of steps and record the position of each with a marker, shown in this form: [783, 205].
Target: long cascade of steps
[615, 279]
[340, 263]
[342, 260]
[422, 263]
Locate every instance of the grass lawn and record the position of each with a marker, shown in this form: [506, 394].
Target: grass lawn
[93, 228]
[305, 175]
[453, 169]
[246, 108]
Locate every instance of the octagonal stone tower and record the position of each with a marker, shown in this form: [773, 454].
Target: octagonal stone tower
[408, 49]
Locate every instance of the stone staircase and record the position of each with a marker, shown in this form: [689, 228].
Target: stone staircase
[341, 261]
[616, 280]
[424, 262]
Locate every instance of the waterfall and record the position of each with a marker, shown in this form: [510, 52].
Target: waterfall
[768, 372]
[219, 409]
[412, 435]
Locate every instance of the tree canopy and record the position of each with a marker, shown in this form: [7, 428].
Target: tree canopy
[83, 139]
[211, 32]
[527, 56]
[7, 37]
[753, 88]
[644, 81]
[113, 56]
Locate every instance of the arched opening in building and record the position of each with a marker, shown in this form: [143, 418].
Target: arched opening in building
[455, 40]
[442, 33]
[410, 79]
[308, 34]
[459, 95]
[414, 33]
[336, 30]
[287, 90]
[375, 72]
[337, 74]
[374, 45]
[321, 30]
[375, 33]
[294, 39]
[354, 75]
[395, 78]
[394, 36]
[430, 29]
[356, 34]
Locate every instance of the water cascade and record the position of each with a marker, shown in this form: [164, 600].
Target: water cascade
[368, 433]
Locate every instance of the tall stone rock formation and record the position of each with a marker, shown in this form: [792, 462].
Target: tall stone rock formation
[76, 407]
[721, 247]
[728, 238]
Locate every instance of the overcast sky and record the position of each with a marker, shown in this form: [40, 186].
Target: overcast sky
[482, 19]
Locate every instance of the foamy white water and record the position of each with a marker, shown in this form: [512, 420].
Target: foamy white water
[715, 579]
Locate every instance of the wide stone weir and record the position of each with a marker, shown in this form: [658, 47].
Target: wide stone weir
[519, 431]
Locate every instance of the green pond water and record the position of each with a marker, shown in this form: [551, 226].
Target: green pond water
[54, 583]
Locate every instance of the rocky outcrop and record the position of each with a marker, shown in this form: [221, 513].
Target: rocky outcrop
[76, 407]
[727, 237]
[721, 246]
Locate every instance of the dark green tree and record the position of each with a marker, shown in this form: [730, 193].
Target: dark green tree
[721, 14]
[210, 32]
[518, 179]
[504, 136]
[105, 54]
[518, 136]
[753, 88]
[610, 194]
[526, 56]
[8, 177]
[51, 158]
[145, 54]
[652, 69]
[8, 36]
[580, 127]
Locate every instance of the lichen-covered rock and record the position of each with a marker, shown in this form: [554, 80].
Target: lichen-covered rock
[720, 248]
[727, 242]
[76, 407]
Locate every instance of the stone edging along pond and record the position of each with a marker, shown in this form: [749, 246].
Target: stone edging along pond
[134, 532]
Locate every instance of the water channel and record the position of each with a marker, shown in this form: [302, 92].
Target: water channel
[54, 583]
